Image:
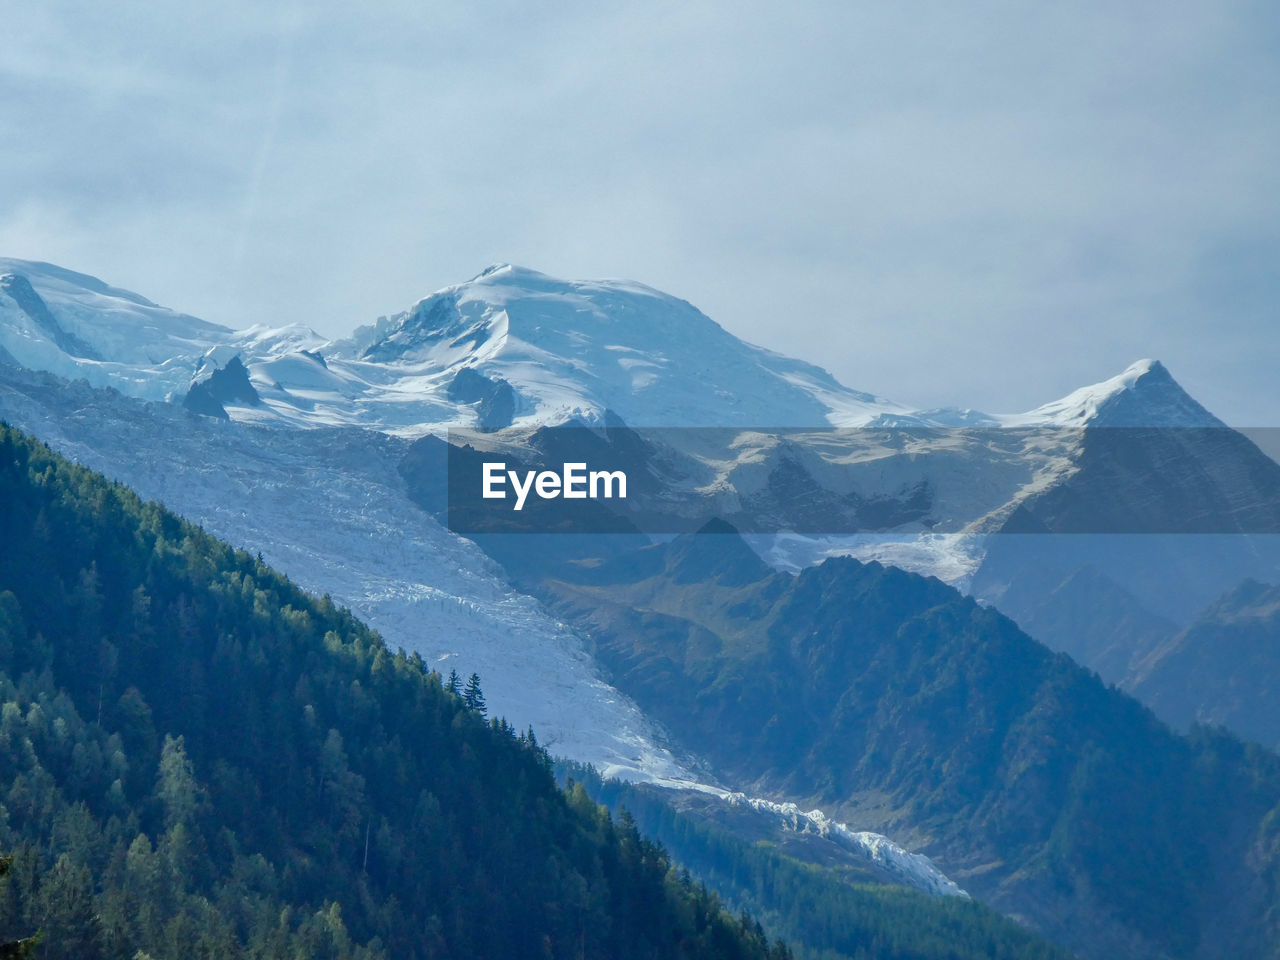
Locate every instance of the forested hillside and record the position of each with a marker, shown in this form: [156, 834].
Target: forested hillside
[199, 760]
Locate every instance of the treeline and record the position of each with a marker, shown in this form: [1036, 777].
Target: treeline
[816, 909]
[197, 760]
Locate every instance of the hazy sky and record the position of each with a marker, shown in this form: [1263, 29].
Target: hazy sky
[983, 204]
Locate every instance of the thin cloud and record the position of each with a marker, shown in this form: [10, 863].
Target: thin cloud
[983, 206]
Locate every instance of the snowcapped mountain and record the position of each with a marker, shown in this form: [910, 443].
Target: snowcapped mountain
[512, 344]
[546, 350]
[1143, 395]
[513, 347]
[78, 327]
[576, 349]
[326, 504]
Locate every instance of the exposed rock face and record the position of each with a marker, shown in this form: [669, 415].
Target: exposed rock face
[228, 384]
[494, 399]
[20, 291]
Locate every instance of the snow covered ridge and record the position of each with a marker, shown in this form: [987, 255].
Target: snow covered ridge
[78, 327]
[510, 346]
[562, 349]
[914, 869]
[515, 348]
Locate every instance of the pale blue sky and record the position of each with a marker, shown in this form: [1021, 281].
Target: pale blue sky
[982, 204]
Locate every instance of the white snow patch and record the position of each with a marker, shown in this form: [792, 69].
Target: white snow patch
[914, 869]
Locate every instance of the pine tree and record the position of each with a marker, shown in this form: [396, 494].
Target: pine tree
[176, 786]
[17, 949]
[64, 904]
[472, 696]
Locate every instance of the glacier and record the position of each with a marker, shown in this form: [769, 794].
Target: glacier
[912, 869]
[327, 508]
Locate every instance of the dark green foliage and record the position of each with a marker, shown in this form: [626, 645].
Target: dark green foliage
[472, 696]
[16, 949]
[815, 909]
[198, 760]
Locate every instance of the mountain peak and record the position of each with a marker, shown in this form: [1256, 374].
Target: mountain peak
[1144, 375]
[716, 551]
[509, 272]
[573, 349]
[55, 279]
[75, 326]
[1144, 394]
[491, 270]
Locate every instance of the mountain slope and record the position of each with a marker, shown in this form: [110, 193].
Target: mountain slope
[1223, 669]
[238, 833]
[328, 508]
[1088, 616]
[897, 704]
[202, 761]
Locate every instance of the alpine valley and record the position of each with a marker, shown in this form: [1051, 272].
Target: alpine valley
[861, 647]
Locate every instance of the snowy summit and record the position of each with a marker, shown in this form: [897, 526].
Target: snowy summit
[509, 346]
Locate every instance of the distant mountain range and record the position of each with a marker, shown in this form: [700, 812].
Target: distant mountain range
[1107, 524]
[565, 350]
